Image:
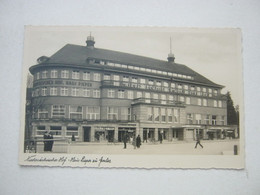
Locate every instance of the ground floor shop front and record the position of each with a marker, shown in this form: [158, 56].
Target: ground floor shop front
[115, 132]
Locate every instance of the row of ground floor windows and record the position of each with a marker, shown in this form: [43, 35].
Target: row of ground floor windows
[112, 134]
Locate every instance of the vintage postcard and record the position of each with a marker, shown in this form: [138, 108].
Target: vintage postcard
[132, 97]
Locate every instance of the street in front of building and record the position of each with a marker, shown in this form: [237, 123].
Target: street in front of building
[218, 147]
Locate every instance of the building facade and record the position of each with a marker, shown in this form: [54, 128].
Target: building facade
[99, 95]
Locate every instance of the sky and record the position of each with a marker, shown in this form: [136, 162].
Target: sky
[214, 53]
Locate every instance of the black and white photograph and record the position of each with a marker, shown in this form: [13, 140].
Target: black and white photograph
[107, 96]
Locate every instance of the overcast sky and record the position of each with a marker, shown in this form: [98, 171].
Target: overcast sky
[214, 53]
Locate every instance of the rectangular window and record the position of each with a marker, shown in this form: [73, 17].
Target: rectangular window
[40, 130]
[112, 113]
[53, 91]
[176, 113]
[111, 93]
[142, 81]
[215, 92]
[220, 103]
[54, 74]
[169, 112]
[116, 77]
[182, 99]
[72, 130]
[118, 65]
[204, 90]
[163, 98]
[173, 85]
[55, 130]
[93, 113]
[155, 96]
[86, 92]
[65, 74]
[158, 83]
[130, 95]
[96, 93]
[86, 76]
[170, 98]
[156, 114]
[214, 120]
[189, 118]
[198, 118]
[107, 77]
[149, 114]
[97, 77]
[180, 88]
[187, 100]
[150, 82]
[75, 74]
[186, 87]
[147, 97]
[125, 78]
[205, 102]
[192, 90]
[134, 80]
[44, 91]
[207, 119]
[139, 94]
[64, 91]
[198, 91]
[130, 67]
[58, 111]
[42, 114]
[44, 74]
[76, 112]
[165, 84]
[215, 103]
[199, 101]
[124, 113]
[163, 114]
[121, 93]
[75, 92]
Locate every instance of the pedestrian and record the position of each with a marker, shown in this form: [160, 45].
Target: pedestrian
[45, 142]
[138, 141]
[198, 142]
[160, 138]
[125, 140]
[50, 142]
[73, 138]
[131, 140]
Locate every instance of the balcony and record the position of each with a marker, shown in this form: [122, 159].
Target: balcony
[131, 85]
[156, 102]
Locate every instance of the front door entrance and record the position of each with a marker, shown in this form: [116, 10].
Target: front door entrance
[86, 137]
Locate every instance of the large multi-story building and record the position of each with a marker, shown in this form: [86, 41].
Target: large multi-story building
[98, 94]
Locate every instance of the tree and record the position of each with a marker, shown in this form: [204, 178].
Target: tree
[232, 114]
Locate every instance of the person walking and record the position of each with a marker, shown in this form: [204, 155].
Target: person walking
[160, 137]
[198, 142]
[45, 142]
[138, 141]
[50, 142]
[125, 140]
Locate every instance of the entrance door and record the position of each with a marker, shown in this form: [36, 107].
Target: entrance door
[86, 134]
[110, 135]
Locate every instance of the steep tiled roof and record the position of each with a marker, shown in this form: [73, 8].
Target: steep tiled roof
[75, 54]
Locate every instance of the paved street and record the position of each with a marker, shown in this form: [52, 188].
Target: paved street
[211, 147]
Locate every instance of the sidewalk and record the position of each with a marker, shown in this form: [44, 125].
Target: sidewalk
[210, 147]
